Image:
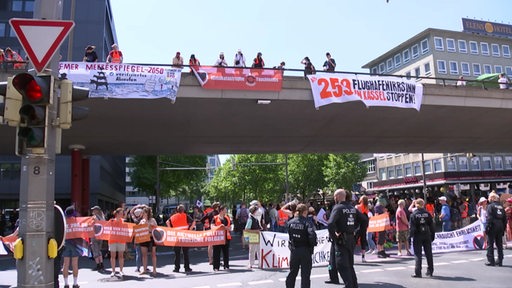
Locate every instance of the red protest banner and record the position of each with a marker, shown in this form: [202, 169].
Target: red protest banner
[79, 227]
[379, 223]
[114, 231]
[239, 78]
[141, 233]
[188, 238]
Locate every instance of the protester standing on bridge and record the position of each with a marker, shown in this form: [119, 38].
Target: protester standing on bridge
[496, 223]
[239, 59]
[303, 240]
[177, 61]
[221, 62]
[115, 55]
[90, 55]
[344, 221]
[222, 220]
[330, 63]
[194, 63]
[182, 221]
[309, 69]
[258, 61]
[422, 230]
[503, 81]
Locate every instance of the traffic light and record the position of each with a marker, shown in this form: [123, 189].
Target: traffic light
[68, 95]
[11, 105]
[37, 95]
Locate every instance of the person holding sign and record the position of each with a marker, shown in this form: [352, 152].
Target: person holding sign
[71, 253]
[96, 244]
[222, 220]
[253, 225]
[422, 230]
[116, 247]
[147, 218]
[181, 220]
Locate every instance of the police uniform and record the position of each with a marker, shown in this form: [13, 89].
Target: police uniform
[302, 242]
[344, 220]
[422, 230]
[496, 223]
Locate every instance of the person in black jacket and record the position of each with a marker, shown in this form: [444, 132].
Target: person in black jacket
[344, 221]
[495, 229]
[422, 231]
[302, 242]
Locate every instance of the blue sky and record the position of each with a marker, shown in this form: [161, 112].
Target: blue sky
[354, 32]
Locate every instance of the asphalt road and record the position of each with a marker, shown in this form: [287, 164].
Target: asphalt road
[461, 269]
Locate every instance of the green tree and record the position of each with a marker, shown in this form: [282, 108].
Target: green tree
[306, 173]
[344, 170]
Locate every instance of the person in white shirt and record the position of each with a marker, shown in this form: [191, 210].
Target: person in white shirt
[239, 59]
[221, 62]
[503, 81]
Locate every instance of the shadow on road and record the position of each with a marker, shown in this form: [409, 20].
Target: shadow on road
[456, 278]
[380, 284]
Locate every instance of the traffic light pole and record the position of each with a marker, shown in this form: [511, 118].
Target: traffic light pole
[37, 188]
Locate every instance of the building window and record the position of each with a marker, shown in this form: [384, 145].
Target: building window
[29, 6]
[498, 163]
[427, 69]
[17, 6]
[441, 66]
[508, 70]
[506, 51]
[495, 48]
[485, 48]
[399, 171]
[389, 64]
[382, 174]
[463, 47]
[408, 169]
[487, 69]
[463, 164]
[428, 166]
[450, 45]
[398, 60]
[415, 51]
[417, 72]
[451, 165]
[438, 43]
[391, 172]
[476, 69]
[486, 163]
[424, 46]
[473, 47]
[406, 56]
[2, 29]
[498, 69]
[438, 165]
[371, 166]
[464, 67]
[375, 70]
[508, 162]
[475, 163]
[382, 68]
[12, 33]
[454, 68]
[417, 168]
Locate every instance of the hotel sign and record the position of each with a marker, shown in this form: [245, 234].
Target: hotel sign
[483, 27]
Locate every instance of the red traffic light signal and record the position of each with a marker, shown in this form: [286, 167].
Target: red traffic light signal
[34, 89]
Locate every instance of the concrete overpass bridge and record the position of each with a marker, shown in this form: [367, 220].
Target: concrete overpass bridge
[203, 121]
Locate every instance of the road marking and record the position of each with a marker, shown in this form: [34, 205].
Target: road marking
[282, 279]
[229, 284]
[395, 268]
[459, 261]
[202, 287]
[476, 259]
[371, 270]
[260, 282]
[442, 263]
[319, 276]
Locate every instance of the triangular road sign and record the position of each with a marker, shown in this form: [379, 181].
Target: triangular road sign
[41, 38]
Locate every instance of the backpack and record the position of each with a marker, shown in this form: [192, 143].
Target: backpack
[454, 214]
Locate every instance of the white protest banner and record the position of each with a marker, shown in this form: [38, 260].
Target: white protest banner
[375, 90]
[275, 253]
[2, 249]
[467, 238]
[119, 80]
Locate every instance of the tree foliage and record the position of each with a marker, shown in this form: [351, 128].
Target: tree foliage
[343, 170]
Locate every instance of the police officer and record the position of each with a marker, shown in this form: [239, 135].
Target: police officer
[422, 230]
[302, 242]
[344, 221]
[495, 229]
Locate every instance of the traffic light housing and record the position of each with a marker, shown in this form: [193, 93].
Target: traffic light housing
[37, 95]
[11, 105]
[67, 111]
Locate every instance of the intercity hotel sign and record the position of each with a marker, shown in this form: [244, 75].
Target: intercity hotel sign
[483, 27]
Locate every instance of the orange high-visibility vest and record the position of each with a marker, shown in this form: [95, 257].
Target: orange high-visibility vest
[218, 222]
[179, 221]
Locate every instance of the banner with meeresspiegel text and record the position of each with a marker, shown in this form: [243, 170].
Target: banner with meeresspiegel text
[385, 91]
